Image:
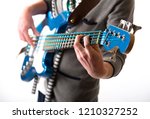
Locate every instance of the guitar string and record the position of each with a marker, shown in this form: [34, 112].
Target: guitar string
[65, 40]
[57, 41]
[72, 35]
[66, 36]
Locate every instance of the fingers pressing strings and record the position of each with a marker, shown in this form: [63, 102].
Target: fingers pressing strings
[30, 38]
[83, 51]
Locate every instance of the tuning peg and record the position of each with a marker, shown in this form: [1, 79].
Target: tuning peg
[122, 24]
[125, 25]
[118, 35]
[128, 26]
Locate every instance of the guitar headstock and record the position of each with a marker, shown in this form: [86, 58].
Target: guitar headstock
[122, 38]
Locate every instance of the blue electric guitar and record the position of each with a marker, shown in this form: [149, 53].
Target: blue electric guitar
[38, 60]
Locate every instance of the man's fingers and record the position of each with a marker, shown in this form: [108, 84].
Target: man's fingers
[77, 44]
[96, 47]
[90, 46]
[86, 40]
[21, 36]
[35, 32]
[79, 49]
[28, 39]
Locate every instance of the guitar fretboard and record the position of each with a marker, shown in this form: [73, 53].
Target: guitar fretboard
[66, 40]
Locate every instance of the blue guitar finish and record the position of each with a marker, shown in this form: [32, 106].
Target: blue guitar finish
[57, 24]
[110, 38]
[28, 72]
[116, 37]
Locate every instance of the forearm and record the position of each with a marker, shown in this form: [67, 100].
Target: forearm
[39, 7]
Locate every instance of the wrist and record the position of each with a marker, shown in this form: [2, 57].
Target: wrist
[28, 10]
[107, 71]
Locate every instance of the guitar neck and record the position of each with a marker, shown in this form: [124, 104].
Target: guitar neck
[110, 38]
[66, 40]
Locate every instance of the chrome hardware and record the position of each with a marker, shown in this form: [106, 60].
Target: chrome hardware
[128, 26]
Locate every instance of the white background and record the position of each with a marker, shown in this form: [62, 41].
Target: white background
[132, 84]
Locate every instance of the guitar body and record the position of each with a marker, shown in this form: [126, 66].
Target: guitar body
[38, 62]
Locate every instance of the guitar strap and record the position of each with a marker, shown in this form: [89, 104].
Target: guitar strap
[76, 16]
[82, 9]
[52, 79]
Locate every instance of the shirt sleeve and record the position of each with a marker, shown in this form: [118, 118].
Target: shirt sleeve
[117, 61]
[123, 9]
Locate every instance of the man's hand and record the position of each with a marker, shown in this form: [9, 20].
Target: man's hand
[26, 23]
[91, 58]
